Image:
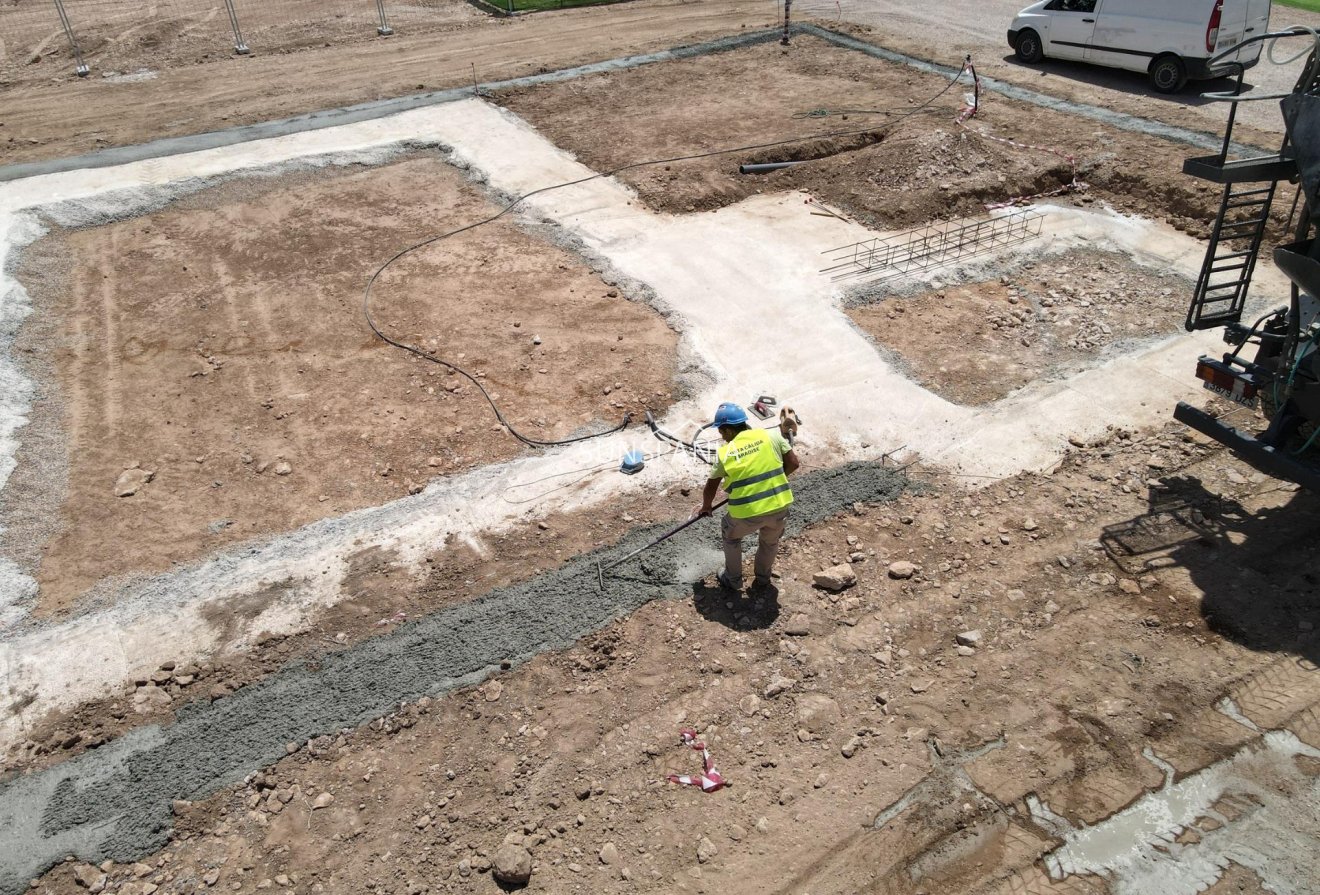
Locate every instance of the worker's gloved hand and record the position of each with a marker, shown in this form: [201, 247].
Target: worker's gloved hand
[702, 510]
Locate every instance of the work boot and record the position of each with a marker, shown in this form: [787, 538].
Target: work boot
[761, 587]
[727, 584]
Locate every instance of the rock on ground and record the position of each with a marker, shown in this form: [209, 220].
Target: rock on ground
[512, 864]
[836, 578]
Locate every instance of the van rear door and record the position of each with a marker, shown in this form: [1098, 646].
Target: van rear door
[1257, 23]
[1232, 25]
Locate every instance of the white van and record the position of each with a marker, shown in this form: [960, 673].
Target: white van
[1171, 40]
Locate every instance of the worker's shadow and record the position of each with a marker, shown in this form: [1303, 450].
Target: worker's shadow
[737, 611]
[1258, 571]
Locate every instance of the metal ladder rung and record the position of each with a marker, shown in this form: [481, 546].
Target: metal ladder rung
[1226, 268]
[1241, 230]
[1258, 191]
[1231, 255]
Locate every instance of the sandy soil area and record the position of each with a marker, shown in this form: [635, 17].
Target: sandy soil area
[213, 356]
[1020, 661]
[974, 343]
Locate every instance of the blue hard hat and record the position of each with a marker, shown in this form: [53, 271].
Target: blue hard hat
[730, 414]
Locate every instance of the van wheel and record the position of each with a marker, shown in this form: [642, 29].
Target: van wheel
[1029, 47]
[1168, 74]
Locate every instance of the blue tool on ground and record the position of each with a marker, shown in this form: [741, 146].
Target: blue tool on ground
[633, 463]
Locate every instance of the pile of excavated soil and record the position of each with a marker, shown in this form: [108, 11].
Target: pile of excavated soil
[212, 358]
[1044, 316]
[889, 152]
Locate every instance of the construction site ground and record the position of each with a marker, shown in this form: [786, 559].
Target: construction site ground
[1042, 318]
[1100, 676]
[233, 427]
[823, 710]
[908, 165]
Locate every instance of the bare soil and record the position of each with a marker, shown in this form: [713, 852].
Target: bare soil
[974, 343]
[50, 113]
[136, 37]
[218, 348]
[891, 153]
[1093, 645]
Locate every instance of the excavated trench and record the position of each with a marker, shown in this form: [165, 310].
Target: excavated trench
[115, 802]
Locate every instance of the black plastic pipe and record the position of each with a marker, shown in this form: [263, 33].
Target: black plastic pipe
[767, 167]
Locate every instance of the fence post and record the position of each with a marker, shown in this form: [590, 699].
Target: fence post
[239, 47]
[73, 42]
[383, 29]
[788, 8]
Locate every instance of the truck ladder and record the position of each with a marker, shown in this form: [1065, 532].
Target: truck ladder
[1230, 259]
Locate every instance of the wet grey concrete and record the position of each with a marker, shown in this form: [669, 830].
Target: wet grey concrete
[114, 802]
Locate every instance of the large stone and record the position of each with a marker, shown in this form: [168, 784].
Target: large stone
[131, 480]
[89, 877]
[902, 569]
[836, 578]
[512, 864]
[817, 712]
[968, 638]
[149, 698]
[706, 850]
[799, 625]
[778, 684]
[609, 853]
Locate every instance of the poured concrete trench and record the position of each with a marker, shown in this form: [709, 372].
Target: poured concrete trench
[114, 802]
[757, 261]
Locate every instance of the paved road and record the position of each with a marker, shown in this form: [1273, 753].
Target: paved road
[947, 29]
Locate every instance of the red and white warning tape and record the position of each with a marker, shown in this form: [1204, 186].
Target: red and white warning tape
[969, 111]
[709, 779]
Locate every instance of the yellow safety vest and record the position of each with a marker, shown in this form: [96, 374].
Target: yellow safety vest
[754, 475]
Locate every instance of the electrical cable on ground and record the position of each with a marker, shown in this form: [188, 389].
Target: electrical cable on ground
[586, 472]
[514, 203]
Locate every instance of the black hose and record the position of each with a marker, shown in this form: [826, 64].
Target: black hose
[535, 442]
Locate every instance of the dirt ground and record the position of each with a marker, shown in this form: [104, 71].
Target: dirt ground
[974, 343]
[133, 38]
[213, 356]
[1105, 617]
[908, 165]
[51, 114]
[1105, 608]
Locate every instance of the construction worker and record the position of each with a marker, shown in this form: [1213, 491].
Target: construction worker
[753, 466]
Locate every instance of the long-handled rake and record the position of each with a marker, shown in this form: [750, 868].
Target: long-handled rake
[601, 570]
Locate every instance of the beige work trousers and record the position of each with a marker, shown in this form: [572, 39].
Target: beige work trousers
[769, 530]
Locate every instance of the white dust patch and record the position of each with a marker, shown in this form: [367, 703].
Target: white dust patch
[747, 295]
[16, 232]
[1266, 817]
